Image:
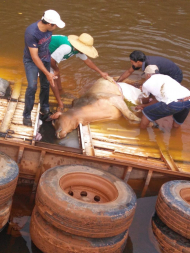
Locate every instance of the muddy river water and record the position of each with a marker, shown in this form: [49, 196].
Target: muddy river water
[118, 27]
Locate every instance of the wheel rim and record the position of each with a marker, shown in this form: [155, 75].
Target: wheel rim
[185, 195]
[88, 188]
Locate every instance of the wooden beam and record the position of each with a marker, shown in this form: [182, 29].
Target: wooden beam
[148, 178]
[20, 154]
[164, 152]
[89, 148]
[39, 171]
[36, 124]
[82, 139]
[127, 173]
[137, 163]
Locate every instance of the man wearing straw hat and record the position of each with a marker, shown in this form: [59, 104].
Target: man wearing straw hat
[37, 60]
[62, 48]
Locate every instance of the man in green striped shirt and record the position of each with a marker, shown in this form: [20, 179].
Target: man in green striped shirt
[62, 48]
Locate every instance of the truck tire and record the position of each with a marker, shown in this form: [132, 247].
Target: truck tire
[173, 206]
[8, 178]
[5, 213]
[50, 239]
[168, 240]
[85, 201]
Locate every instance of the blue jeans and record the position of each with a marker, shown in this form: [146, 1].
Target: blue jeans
[32, 75]
[179, 110]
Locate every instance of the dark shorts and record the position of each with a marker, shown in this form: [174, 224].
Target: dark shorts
[179, 110]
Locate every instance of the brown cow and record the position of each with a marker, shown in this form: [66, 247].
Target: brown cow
[103, 101]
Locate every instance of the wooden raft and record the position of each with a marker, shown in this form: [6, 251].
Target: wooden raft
[11, 114]
[110, 150]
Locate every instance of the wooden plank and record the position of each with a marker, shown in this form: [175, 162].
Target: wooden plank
[39, 171]
[8, 117]
[169, 160]
[36, 124]
[20, 154]
[89, 149]
[82, 139]
[127, 173]
[126, 149]
[22, 130]
[123, 140]
[151, 163]
[147, 183]
[16, 90]
[165, 153]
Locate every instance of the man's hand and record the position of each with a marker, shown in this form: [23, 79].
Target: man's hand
[40, 65]
[139, 107]
[126, 74]
[50, 78]
[104, 75]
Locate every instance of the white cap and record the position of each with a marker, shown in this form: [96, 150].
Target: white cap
[53, 17]
[151, 69]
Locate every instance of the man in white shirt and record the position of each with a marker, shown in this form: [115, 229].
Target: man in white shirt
[171, 98]
[62, 48]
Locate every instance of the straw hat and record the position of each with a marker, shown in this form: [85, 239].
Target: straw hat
[84, 44]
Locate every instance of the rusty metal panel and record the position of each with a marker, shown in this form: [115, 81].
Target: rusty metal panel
[11, 151]
[30, 161]
[52, 160]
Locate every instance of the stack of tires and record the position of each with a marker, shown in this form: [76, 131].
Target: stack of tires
[81, 209]
[171, 222]
[8, 180]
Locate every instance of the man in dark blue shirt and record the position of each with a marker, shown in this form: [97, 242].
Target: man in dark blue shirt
[37, 60]
[140, 60]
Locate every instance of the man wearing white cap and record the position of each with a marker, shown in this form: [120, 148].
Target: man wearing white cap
[37, 60]
[62, 48]
[171, 98]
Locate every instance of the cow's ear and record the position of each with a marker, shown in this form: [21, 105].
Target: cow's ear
[59, 130]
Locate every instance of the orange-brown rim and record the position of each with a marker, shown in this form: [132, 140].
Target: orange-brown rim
[88, 187]
[185, 195]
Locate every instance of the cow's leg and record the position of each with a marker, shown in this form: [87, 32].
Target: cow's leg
[121, 105]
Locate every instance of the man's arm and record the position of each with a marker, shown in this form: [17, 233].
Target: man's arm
[91, 65]
[126, 74]
[40, 65]
[141, 107]
[54, 66]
